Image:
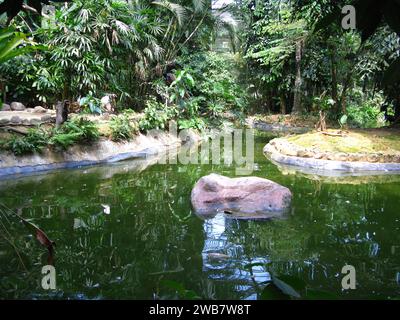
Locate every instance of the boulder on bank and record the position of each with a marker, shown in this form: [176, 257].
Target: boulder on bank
[5, 107]
[17, 106]
[39, 109]
[242, 198]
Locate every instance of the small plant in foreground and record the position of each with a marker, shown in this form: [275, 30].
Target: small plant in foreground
[122, 128]
[74, 131]
[34, 141]
[156, 116]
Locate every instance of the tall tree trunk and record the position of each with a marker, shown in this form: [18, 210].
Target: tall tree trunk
[3, 95]
[346, 85]
[282, 102]
[397, 109]
[297, 105]
[334, 87]
[61, 113]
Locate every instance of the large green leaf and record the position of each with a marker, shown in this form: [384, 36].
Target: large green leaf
[13, 43]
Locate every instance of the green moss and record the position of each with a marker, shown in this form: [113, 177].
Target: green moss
[352, 142]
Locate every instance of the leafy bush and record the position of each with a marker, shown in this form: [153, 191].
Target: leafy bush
[180, 88]
[34, 141]
[156, 116]
[90, 104]
[62, 141]
[74, 131]
[217, 82]
[193, 123]
[365, 116]
[122, 128]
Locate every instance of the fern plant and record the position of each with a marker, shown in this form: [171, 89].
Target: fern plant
[122, 128]
[77, 130]
[34, 141]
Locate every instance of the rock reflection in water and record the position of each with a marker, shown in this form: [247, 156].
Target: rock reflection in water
[225, 259]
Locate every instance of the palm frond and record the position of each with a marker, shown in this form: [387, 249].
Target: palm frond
[178, 10]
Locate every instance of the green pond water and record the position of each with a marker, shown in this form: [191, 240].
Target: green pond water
[152, 246]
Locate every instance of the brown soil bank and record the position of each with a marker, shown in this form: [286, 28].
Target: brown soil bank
[357, 150]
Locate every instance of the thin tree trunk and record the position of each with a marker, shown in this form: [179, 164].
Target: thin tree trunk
[282, 103]
[334, 87]
[344, 91]
[297, 105]
[397, 109]
[3, 92]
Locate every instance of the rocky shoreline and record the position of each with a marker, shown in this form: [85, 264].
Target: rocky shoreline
[103, 151]
[275, 127]
[283, 152]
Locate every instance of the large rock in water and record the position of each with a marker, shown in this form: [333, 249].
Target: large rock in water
[242, 198]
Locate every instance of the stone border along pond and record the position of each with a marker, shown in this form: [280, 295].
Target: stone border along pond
[101, 152]
[281, 151]
[276, 128]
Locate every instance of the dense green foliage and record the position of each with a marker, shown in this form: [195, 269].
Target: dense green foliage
[218, 88]
[156, 116]
[75, 131]
[288, 57]
[34, 141]
[107, 46]
[297, 51]
[122, 128]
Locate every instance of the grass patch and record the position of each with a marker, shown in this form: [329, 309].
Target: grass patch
[363, 141]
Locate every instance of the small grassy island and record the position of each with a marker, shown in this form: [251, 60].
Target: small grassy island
[372, 145]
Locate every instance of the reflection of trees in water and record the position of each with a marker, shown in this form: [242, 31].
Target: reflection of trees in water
[331, 225]
[150, 236]
[225, 258]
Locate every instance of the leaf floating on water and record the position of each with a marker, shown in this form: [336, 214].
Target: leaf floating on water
[106, 208]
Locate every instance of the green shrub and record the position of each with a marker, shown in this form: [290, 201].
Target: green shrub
[193, 123]
[156, 116]
[77, 130]
[62, 141]
[122, 128]
[217, 83]
[90, 104]
[365, 116]
[87, 129]
[34, 141]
